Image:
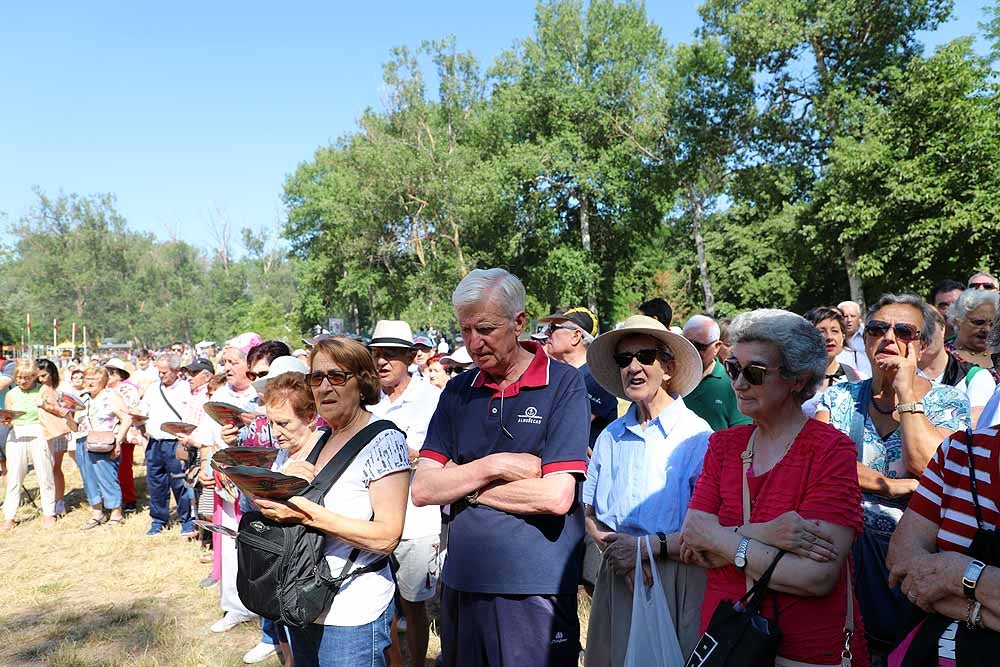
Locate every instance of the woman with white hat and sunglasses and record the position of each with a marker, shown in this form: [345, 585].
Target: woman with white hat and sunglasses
[639, 481]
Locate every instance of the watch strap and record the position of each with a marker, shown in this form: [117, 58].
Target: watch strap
[971, 577]
[663, 544]
[910, 407]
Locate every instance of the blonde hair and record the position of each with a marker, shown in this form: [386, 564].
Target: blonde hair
[25, 368]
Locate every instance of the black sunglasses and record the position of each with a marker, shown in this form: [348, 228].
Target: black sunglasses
[906, 333]
[978, 322]
[390, 352]
[645, 357]
[454, 370]
[701, 347]
[986, 286]
[335, 378]
[253, 376]
[753, 372]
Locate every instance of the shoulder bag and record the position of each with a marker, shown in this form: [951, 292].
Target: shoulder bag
[99, 442]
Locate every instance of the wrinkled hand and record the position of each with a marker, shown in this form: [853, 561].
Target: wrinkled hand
[513, 467]
[282, 511]
[927, 578]
[699, 531]
[248, 418]
[303, 469]
[230, 434]
[620, 556]
[705, 559]
[799, 536]
[899, 371]
[603, 538]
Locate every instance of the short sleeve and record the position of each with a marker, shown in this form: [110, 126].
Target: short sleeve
[946, 407]
[594, 467]
[387, 453]
[568, 433]
[927, 499]
[707, 496]
[980, 389]
[439, 442]
[828, 400]
[832, 493]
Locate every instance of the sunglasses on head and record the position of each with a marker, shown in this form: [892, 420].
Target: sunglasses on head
[986, 286]
[753, 372]
[904, 332]
[335, 378]
[645, 357]
[259, 374]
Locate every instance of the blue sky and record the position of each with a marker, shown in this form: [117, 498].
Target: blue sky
[196, 112]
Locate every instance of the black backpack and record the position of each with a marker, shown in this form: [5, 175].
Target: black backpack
[283, 573]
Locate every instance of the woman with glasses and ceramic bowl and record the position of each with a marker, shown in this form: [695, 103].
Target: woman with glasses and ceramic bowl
[364, 509]
[971, 316]
[896, 419]
[799, 479]
[639, 482]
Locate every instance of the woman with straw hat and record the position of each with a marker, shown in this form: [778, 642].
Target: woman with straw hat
[639, 481]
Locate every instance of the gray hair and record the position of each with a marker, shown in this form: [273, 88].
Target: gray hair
[703, 324]
[844, 304]
[926, 312]
[484, 285]
[173, 360]
[968, 301]
[801, 346]
[993, 340]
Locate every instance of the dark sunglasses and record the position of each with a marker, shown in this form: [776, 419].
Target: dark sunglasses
[552, 328]
[253, 376]
[753, 373]
[454, 370]
[701, 347]
[906, 333]
[986, 286]
[335, 378]
[389, 352]
[645, 357]
[978, 322]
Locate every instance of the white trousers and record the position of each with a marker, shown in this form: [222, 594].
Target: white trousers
[230, 601]
[25, 441]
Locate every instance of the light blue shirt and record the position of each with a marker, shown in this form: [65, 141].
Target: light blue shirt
[640, 481]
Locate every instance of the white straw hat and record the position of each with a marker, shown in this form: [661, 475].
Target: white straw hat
[687, 362]
[392, 333]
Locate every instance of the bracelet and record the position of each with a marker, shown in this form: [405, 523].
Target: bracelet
[975, 617]
[473, 498]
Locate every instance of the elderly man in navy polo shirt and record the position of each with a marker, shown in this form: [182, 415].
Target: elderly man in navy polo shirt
[507, 447]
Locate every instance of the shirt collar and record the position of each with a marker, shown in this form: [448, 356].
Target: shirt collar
[664, 421]
[534, 376]
[408, 395]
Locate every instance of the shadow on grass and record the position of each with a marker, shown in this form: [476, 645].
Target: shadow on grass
[102, 635]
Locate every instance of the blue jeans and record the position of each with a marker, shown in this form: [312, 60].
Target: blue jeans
[272, 632]
[87, 473]
[106, 473]
[163, 476]
[343, 646]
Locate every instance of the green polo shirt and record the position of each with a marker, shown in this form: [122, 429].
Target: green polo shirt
[714, 401]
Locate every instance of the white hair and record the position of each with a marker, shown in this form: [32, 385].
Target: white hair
[852, 304]
[968, 301]
[799, 343]
[173, 360]
[705, 324]
[481, 286]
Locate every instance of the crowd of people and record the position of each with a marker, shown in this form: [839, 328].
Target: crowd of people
[840, 464]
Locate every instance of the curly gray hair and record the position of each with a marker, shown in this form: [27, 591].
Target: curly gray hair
[929, 328]
[968, 301]
[481, 285]
[801, 346]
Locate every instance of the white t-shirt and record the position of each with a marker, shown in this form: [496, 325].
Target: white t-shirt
[364, 598]
[412, 414]
[978, 391]
[991, 412]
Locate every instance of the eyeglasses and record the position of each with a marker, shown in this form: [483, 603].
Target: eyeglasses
[986, 286]
[645, 357]
[389, 352]
[552, 327]
[454, 370]
[978, 322]
[335, 378]
[260, 374]
[753, 372]
[904, 332]
[701, 347]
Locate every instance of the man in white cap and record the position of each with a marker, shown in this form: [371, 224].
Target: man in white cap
[409, 403]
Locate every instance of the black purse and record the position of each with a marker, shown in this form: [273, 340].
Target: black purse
[738, 634]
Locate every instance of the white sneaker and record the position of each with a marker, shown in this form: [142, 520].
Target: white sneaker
[259, 653]
[230, 621]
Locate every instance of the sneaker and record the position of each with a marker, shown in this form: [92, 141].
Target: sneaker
[230, 621]
[188, 531]
[129, 508]
[207, 582]
[259, 653]
[154, 531]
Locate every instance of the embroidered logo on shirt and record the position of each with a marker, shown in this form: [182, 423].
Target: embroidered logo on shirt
[560, 638]
[529, 416]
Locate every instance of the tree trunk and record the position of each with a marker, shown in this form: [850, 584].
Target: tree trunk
[699, 244]
[459, 255]
[853, 279]
[585, 242]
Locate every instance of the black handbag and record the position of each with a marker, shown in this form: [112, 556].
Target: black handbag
[738, 634]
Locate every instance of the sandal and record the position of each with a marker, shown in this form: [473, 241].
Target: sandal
[116, 522]
[93, 523]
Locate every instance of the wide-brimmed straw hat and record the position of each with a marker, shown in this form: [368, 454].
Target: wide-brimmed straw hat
[687, 362]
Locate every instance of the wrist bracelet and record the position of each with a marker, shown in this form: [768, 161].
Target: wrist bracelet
[975, 618]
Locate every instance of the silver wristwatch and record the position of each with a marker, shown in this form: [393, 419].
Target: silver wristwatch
[740, 559]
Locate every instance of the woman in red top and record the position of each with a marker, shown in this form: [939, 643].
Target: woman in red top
[804, 494]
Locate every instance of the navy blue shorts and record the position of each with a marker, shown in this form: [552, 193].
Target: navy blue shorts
[482, 630]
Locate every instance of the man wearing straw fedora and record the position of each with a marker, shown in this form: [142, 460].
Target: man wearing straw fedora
[409, 403]
[640, 480]
[507, 447]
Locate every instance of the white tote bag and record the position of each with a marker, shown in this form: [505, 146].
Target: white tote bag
[652, 639]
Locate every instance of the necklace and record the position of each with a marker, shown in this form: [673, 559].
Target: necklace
[880, 410]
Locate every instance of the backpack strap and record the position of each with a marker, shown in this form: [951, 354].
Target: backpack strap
[336, 467]
[971, 374]
[973, 485]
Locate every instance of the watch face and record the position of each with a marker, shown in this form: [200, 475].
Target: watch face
[740, 562]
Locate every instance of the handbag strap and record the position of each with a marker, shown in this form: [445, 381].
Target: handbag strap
[169, 404]
[973, 485]
[747, 458]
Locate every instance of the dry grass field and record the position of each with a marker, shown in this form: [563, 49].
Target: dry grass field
[111, 596]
